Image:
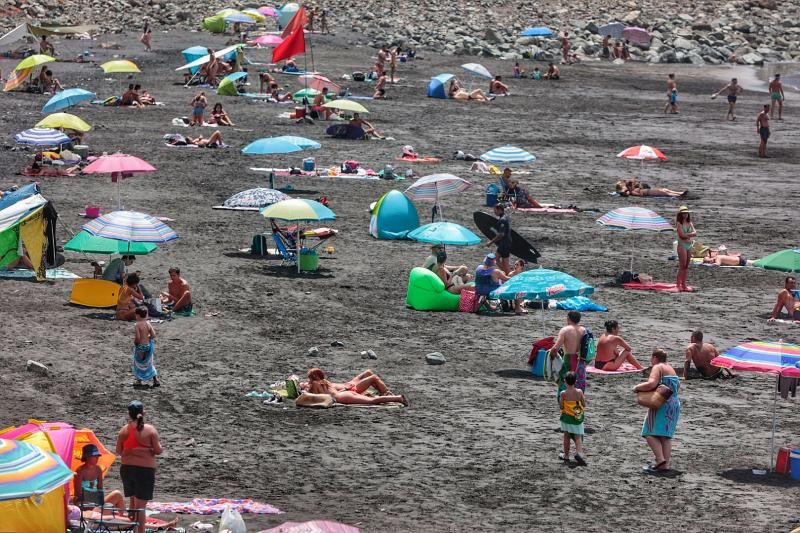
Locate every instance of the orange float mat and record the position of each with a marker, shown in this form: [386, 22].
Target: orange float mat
[94, 293]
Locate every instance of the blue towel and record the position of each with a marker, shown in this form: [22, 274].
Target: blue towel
[579, 303]
[143, 367]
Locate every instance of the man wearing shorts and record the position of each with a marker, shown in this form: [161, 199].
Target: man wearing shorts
[734, 90]
[672, 95]
[777, 96]
[502, 238]
[762, 127]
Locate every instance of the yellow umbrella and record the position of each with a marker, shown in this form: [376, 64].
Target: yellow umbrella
[122, 66]
[255, 15]
[64, 120]
[346, 105]
[226, 12]
[34, 61]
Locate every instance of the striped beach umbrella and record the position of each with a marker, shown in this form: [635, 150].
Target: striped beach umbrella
[255, 198]
[643, 152]
[432, 188]
[41, 137]
[130, 226]
[777, 358]
[508, 155]
[26, 470]
[634, 219]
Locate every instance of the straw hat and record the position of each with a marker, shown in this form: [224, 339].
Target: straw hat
[683, 209]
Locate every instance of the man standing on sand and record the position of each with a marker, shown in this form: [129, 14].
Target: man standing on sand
[565, 47]
[502, 238]
[777, 96]
[734, 90]
[701, 353]
[762, 127]
[672, 95]
[569, 338]
[612, 350]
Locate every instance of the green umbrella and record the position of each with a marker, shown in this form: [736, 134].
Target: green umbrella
[85, 242]
[305, 93]
[227, 88]
[785, 261]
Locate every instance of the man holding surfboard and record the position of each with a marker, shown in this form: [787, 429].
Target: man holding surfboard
[502, 238]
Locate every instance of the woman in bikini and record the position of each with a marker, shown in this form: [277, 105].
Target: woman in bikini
[352, 392]
[214, 141]
[137, 445]
[219, 115]
[686, 235]
[634, 187]
[457, 93]
[129, 297]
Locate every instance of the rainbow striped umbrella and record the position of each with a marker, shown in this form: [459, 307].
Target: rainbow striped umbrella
[130, 226]
[777, 358]
[26, 470]
[435, 186]
[634, 219]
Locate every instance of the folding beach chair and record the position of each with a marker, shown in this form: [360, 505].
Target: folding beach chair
[286, 249]
[108, 521]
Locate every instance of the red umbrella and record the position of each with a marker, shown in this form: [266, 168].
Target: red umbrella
[317, 81]
[643, 153]
[119, 166]
[268, 40]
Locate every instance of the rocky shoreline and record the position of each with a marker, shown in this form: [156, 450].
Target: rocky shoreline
[703, 32]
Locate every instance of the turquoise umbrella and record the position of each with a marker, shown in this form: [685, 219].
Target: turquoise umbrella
[85, 242]
[67, 98]
[444, 233]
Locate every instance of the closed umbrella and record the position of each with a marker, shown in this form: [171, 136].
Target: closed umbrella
[538, 31]
[777, 358]
[444, 233]
[346, 105]
[64, 120]
[298, 210]
[67, 98]
[783, 261]
[41, 137]
[119, 166]
[635, 219]
[432, 188]
[508, 155]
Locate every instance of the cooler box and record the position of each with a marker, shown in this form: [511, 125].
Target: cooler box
[538, 365]
[299, 112]
[782, 461]
[794, 464]
[309, 260]
[81, 149]
[492, 191]
[308, 164]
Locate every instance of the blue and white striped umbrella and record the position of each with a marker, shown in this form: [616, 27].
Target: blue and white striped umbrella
[508, 155]
[67, 98]
[130, 226]
[41, 137]
[477, 69]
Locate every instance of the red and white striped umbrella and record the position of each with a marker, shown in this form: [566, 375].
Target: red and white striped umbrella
[643, 153]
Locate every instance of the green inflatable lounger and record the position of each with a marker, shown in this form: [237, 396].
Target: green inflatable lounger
[426, 292]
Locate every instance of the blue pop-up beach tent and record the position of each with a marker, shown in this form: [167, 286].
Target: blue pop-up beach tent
[393, 217]
[437, 88]
[192, 54]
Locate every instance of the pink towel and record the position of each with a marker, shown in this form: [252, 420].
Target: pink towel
[660, 287]
[207, 506]
[315, 526]
[625, 368]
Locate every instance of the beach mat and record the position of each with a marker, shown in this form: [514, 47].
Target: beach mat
[548, 210]
[24, 273]
[625, 368]
[426, 159]
[658, 287]
[235, 208]
[209, 506]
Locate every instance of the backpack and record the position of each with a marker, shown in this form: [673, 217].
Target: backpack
[588, 347]
[359, 76]
[259, 245]
[350, 167]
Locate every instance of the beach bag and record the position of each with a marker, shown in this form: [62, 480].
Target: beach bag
[654, 399]
[259, 245]
[552, 368]
[231, 521]
[359, 76]
[468, 300]
[350, 167]
[292, 388]
[588, 347]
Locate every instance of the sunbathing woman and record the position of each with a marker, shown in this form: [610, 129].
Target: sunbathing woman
[633, 187]
[219, 116]
[273, 91]
[213, 141]
[457, 93]
[352, 392]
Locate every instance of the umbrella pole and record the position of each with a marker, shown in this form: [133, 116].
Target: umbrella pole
[774, 408]
[119, 194]
[541, 309]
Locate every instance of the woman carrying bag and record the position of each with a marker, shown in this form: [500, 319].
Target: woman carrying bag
[660, 395]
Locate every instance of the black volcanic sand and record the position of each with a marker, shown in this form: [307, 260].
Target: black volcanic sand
[477, 449]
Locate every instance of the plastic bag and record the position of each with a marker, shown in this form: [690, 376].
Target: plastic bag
[231, 522]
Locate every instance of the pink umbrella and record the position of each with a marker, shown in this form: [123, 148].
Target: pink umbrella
[268, 11]
[314, 526]
[317, 81]
[636, 35]
[119, 166]
[267, 40]
[642, 153]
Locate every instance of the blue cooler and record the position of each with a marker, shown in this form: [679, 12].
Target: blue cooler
[308, 164]
[538, 364]
[794, 464]
[492, 191]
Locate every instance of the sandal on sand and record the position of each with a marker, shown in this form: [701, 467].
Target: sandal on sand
[580, 460]
[655, 469]
[563, 457]
[404, 400]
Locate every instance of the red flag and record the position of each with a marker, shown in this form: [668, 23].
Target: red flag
[299, 21]
[293, 45]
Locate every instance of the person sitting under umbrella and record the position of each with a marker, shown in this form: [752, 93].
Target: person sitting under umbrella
[116, 269]
[179, 294]
[47, 82]
[430, 263]
[368, 128]
[318, 105]
[273, 91]
[130, 296]
[788, 300]
[488, 277]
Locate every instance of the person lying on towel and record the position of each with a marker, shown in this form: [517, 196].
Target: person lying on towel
[352, 392]
[633, 187]
[721, 258]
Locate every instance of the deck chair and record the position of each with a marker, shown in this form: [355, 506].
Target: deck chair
[285, 249]
[108, 521]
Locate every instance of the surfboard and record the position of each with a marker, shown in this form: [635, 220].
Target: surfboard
[520, 247]
[94, 293]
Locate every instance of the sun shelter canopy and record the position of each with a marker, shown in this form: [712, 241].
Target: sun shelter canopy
[205, 59]
[393, 217]
[23, 222]
[193, 53]
[437, 88]
[23, 30]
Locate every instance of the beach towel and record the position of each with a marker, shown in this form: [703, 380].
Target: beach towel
[625, 368]
[185, 312]
[51, 273]
[47, 171]
[579, 303]
[548, 210]
[426, 159]
[658, 287]
[209, 506]
[314, 526]
[142, 361]
[151, 523]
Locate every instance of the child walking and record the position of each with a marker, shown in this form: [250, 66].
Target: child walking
[573, 405]
[144, 348]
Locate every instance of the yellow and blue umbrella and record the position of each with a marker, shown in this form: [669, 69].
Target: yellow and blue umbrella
[26, 470]
[298, 210]
[130, 226]
[64, 120]
[444, 233]
[67, 98]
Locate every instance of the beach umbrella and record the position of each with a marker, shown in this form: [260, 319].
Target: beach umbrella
[436, 186]
[318, 81]
[444, 233]
[227, 86]
[267, 40]
[305, 93]
[298, 210]
[302, 142]
[635, 219]
[119, 166]
[538, 31]
[241, 18]
[346, 105]
[87, 243]
[271, 145]
[636, 35]
[614, 29]
[783, 261]
[254, 14]
[314, 526]
[255, 198]
[130, 226]
[643, 152]
[120, 66]
[34, 61]
[64, 120]
[26, 470]
[477, 69]
[67, 98]
[777, 358]
[541, 284]
[41, 137]
[225, 12]
[269, 11]
[508, 155]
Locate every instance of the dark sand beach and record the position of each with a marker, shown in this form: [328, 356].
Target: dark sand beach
[477, 448]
